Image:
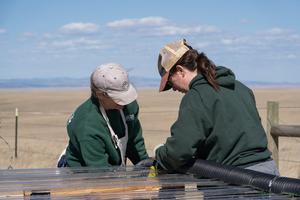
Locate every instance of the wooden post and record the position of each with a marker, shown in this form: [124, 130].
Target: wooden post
[16, 134]
[272, 120]
[286, 130]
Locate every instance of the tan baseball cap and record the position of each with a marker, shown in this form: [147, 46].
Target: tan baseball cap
[168, 57]
[112, 78]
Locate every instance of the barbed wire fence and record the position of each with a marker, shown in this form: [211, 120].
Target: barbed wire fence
[171, 111]
[9, 149]
[274, 119]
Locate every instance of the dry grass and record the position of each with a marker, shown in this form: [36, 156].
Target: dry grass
[43, 114]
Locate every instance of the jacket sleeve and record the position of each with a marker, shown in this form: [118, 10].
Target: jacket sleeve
[136, 150]
[93, 150]
[187, 135]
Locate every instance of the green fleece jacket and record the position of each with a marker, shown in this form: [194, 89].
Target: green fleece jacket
[90, 142]
[223, 126]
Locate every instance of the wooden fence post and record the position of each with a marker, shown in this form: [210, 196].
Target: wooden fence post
[273, 119]
[16, 134]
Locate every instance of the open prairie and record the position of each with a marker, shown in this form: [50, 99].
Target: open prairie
[43, 114]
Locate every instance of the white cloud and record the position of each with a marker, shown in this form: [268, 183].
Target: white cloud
[291, 56]
[159, 26]
[279, 37]
[227, 41]
[277, 31]
[244, 21]
[241, 40]
[153, 21]
[295, 36]
[48, 35]
[53, 36]
[203, 44]
[29, 34]
[233, 41]
[146, 21]
[175, 30]
[78, 27]
[74, 44]
[2, 30]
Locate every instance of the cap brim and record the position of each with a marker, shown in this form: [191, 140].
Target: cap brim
[164, 82]
[123, 97]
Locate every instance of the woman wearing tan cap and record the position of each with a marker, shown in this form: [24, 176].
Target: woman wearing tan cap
[105, 129]
[218, 119]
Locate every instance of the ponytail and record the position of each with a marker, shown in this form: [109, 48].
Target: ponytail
[208, 69]
[193, 60]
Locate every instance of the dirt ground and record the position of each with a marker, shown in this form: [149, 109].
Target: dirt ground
[43, 114]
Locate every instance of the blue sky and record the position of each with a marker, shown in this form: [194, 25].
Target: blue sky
[258, 39]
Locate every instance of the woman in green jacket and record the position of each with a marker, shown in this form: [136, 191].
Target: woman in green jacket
[218, 119]
[105, 130]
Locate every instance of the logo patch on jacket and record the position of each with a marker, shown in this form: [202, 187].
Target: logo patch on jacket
[129, 117]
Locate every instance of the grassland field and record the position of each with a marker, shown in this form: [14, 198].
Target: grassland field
[43, 114]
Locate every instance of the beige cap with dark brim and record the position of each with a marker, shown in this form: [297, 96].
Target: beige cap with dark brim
[167, 59]
[123, 97]
[164, 81]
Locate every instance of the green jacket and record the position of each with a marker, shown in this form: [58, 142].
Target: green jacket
[223, 126]
[90, 142]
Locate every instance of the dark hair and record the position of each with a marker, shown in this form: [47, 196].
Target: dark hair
[193, 60]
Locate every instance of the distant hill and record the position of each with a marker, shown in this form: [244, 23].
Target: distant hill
[43, 82]
[139, 82]
[68, 82]
[270, 84]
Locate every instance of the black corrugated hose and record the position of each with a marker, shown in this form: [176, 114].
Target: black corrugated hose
[240, 176]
